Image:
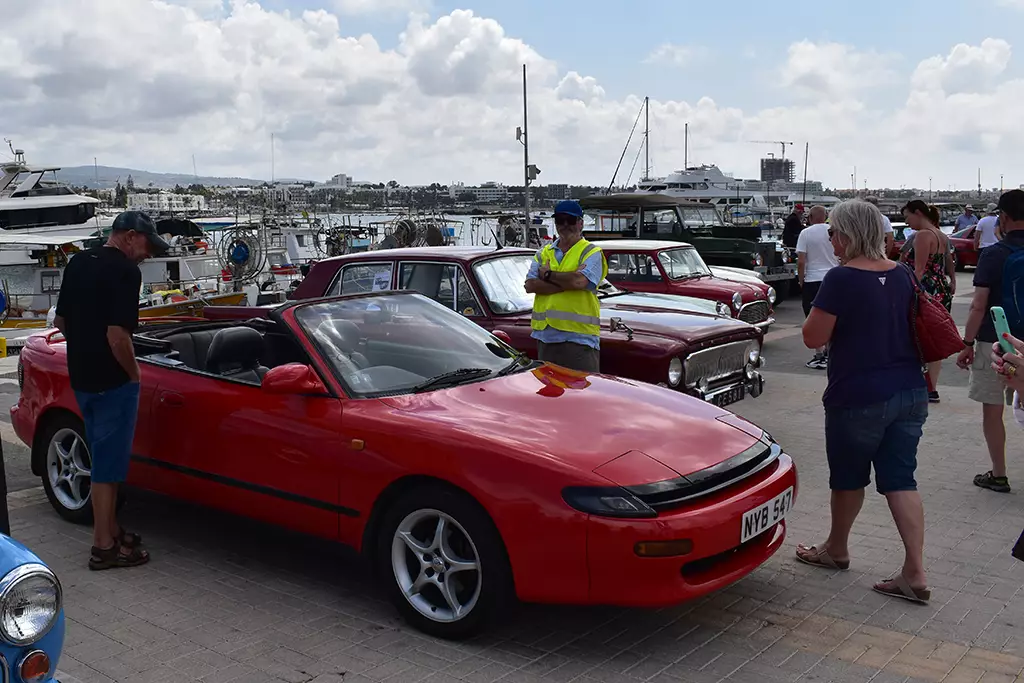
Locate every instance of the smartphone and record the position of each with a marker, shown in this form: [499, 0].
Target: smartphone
[1002, 328]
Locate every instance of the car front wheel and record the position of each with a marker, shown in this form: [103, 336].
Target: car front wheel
[67, 471]
[443, 563]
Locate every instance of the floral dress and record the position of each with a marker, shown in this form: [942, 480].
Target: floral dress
[935, 280]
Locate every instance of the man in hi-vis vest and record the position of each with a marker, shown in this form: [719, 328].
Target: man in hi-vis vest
[564, 277]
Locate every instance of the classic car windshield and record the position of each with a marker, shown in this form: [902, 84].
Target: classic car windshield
[402, 343]
[503, 282]
[683, 263]
[695, 216]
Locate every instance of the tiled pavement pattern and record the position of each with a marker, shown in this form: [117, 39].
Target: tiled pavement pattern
[226, 600]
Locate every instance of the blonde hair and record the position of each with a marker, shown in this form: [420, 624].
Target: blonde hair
[862, 224]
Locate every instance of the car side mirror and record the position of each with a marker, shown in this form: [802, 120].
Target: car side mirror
[294, 379]
[503, 336]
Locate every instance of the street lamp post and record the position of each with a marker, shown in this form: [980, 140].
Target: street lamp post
[530, 172]
[929, 188]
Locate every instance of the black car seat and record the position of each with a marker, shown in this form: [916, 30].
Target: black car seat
[235, 353]
[344, 336]
[192, 347]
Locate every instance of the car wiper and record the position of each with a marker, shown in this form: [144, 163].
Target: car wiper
[521, 362]
[453, 377]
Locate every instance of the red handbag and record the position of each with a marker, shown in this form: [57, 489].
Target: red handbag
[934, 329]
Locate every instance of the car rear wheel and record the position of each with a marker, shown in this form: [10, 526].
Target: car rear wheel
[67, 469]
[443, 562]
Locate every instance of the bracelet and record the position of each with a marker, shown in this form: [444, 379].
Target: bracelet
[967, 343]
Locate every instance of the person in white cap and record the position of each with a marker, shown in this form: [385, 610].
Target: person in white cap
[966, 220]
[988, 232]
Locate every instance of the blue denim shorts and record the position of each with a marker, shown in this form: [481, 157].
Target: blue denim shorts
[109, 418]
[883, 435]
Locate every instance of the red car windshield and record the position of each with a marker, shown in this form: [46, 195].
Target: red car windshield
[404, 343]
[683, 263]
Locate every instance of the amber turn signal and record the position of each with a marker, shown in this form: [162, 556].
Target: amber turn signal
[34, 666]
[663, 548]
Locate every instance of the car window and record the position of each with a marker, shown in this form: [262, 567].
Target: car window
[445, 283]
[660, 222]
[683, 263]
[360, 278]
[632, 268]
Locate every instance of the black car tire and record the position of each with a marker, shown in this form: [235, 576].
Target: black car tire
[494, 588]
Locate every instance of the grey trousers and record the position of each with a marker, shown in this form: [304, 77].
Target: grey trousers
[570, 355]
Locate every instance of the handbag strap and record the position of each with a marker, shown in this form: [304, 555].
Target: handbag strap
[915, 305]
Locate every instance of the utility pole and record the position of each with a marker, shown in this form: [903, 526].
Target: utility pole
[195, 176]
[854, 181]
[979, 183]
[929, 188]
[271, 158]
[96, 172]
[530, 172]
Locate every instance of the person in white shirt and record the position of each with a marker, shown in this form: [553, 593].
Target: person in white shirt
[890, 235]
[815, 257]
[987, 233]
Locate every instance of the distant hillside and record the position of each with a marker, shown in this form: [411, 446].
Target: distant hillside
[108, 177]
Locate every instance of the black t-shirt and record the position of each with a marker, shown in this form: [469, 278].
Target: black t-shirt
[100, 289]
[791, 230]
[990, 274]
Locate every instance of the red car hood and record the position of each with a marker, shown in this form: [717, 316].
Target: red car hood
[720, 290]
[583, 422]
[668, 317]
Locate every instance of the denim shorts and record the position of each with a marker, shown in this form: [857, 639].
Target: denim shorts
[884, 435]
[109, 418]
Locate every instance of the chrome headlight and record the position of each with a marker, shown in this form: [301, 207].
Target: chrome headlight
[737, 301]
[675, 372]
[30, 601]
[786, 258]
[772, 295]
[753, 353]
[722, 310]
[758, 260]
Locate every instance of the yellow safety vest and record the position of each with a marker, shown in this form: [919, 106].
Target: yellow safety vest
[576, 311]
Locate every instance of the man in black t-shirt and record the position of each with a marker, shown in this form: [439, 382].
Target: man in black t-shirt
[97, 311]
[986, 386]
[794, 224]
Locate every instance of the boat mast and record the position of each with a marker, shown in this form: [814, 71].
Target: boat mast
[807, 152]
[647, 138]
[686, 146]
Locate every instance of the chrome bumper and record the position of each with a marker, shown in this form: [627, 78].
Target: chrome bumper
[752, 385]
[764, 324]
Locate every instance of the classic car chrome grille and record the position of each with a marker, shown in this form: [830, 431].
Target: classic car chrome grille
[715, 363]
[674, 492]
[755, 312]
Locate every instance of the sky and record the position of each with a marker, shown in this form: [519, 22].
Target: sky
[422, 91]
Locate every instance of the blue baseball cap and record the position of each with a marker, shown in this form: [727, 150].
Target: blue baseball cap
[141, 223]
[569, 207]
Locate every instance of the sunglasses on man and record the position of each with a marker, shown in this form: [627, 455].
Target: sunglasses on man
[566, 220]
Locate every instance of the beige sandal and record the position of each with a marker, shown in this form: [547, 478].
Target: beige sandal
[899, 587]
[819, 557]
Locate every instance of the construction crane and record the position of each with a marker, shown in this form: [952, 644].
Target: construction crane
[774, 142]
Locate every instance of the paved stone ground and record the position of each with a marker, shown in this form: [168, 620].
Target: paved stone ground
[228, 600]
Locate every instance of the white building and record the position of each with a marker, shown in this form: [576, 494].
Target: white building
[166, 202]
[340, 181]
[487, 192]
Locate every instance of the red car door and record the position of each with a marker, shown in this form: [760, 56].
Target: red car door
[232, 446]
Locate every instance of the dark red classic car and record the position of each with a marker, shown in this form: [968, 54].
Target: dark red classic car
[962, 243]
[467, 474]
[654, 338]
[676, 268]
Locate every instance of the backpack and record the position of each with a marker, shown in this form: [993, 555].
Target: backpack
[1013, 289]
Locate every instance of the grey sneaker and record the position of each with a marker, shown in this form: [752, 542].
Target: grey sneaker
[817, 363]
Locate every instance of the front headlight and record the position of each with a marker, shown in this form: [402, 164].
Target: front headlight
[722, 309]
[737, 301]
[753, 353]
[30, 601]
[772, 295]
[606, 501]
[758, 261]
[675, 372]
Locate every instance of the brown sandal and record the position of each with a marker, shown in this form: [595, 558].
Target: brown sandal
[116, 556]
[898, 587]
[819, 557]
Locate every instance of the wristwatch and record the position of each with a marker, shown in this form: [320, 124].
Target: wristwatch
[547, 276]
[967, 343]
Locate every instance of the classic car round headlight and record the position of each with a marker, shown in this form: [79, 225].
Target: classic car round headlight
[737, 300]
[675, 372]
[722, 309]
[753, 352]
[758, 261]
[772, 295]
[30, 601]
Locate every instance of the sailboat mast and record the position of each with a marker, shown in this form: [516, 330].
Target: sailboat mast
[647, 138]
[807, 152]
[686, 147]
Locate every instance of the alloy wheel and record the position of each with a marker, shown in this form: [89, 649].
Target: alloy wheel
[69, 469]
[437, 565]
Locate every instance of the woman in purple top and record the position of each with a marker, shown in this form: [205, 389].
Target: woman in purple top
[876, 401]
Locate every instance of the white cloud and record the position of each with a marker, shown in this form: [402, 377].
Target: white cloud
[380, 6]
[967, 68]
[1016, 4]
[443, 104]
[833, 70]
[672, 55]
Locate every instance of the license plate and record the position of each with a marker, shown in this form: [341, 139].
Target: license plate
[726, 397]
[766, 516]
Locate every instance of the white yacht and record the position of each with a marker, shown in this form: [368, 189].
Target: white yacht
[706, 183]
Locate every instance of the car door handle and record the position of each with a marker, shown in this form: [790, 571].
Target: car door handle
[172, 400]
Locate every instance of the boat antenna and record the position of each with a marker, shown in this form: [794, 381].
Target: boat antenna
[623, 155]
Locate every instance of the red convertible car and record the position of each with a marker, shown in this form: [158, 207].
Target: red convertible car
[654, 338]
[962, 243]
[676, 268]
[465, 472]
